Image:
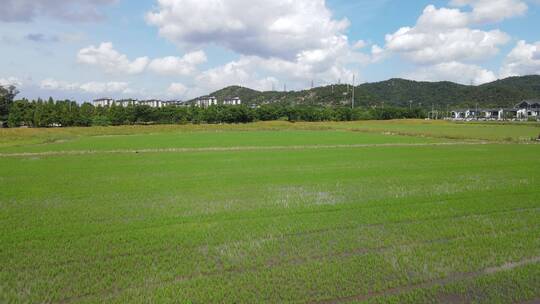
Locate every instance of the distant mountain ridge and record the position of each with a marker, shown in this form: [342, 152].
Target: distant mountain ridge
[400, 92]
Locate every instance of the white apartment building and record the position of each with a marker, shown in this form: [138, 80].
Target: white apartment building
[154, 103]
[206, 101]
[103, 102]
[236, 101]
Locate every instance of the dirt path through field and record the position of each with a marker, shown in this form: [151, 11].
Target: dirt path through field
[234, 149]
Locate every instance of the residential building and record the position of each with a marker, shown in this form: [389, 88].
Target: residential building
[236, 101]
[103, 102]
[524, 110]
[154, 103]
[206, 101]
[126, 102]
[175, 103]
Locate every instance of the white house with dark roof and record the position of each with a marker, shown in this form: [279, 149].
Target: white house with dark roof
[524, 110]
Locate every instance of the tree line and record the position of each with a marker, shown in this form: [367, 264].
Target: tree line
[67, 113]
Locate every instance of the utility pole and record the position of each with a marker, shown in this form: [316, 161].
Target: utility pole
[312, 84]
[410, 105]
[353, 83]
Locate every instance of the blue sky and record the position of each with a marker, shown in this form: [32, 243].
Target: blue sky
[179, 49]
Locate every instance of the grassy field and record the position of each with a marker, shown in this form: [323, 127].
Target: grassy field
[367, 212]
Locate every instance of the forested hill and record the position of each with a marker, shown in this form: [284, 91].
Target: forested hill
[400, 92]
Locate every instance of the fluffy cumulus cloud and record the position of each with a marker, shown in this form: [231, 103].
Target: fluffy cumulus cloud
[486, 11]
[185, 65]
[106, 57]
[106, 87]
[454, 71]
[283, 41]
[267, 73]
[440, 18]
[445, 45]
[94, 87]
[64, 10]
[280, 28]
[443, 35]
[524, 59]
[245, 71]
[441, 46]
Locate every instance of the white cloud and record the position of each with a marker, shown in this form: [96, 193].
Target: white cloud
[267, 73]
[360, 44]
[445, 34]
[89, 87]
[177, 89]
[489, 11]
[113, 62]
[283, 41]
[65, 10]
[454, 71]
[377, 53]
[524, 59]
[281, 28]
[433, 18]
[106, 57]
[10, 81]
[52, 84]
[243, 71]
[466, 44]
[185, 65]
[106, 87]
[445, 45]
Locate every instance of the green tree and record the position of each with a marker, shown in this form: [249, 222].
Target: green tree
[117, 115]
[7, 94]
[86, 113]
[17, 114]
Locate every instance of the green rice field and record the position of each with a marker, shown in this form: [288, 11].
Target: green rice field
[361, 212]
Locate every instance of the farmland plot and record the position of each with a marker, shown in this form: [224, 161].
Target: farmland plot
[323, 213]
